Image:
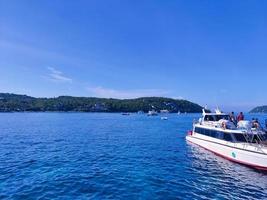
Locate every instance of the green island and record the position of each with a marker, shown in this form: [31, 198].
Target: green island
[23, 103]
[259, 109]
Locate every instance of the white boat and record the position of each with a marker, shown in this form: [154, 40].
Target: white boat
[242, 143]
[152, 113]
[164, 111]
[164, 118]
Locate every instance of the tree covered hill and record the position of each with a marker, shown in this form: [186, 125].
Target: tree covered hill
[19, 103]
[259, 109]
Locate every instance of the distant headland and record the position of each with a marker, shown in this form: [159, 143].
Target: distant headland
[23, 103]
[259, 109]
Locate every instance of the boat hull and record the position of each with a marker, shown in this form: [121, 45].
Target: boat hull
[252, 159]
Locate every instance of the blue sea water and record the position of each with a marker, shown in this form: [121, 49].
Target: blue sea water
[110, 156]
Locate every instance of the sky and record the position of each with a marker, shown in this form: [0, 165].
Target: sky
[213, 53]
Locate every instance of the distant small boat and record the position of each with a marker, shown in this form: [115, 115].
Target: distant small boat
[178, 113]
[164, 111]
[152, 113]
[164, 118]
[125, 113]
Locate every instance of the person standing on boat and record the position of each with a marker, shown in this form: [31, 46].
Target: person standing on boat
[233, 118]
[240, 116]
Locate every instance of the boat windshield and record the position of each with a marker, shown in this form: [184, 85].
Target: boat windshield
[216, 117]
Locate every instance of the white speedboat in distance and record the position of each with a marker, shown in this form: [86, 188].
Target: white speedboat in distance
[152, 113]
[164, 111]
[242, 144]
[164, 118]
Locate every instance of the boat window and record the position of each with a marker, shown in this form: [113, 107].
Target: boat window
[216, 117]
[207, 132]
[227, 137]
[213, 133]
[197, 130]
[219, 135]
[202, 131]
[209, 118]
[239, 137]
[219, 117]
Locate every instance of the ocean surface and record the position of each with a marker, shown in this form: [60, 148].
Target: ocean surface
[111, 156]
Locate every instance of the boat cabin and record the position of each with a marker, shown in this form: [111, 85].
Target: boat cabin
[214, 117]
[218, 125]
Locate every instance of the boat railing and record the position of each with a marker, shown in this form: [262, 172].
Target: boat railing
[247, 137]
[253, 136]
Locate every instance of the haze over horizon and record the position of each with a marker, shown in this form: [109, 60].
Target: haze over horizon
[211, 53]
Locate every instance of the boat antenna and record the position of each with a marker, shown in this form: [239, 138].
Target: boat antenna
[218, 111]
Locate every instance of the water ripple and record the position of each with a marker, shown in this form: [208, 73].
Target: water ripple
[109, 156]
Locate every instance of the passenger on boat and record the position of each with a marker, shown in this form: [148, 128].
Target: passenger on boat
[255, 123]
[227, 124]
[240, 117]
[252, 122]
[224, 125]
[233, 118]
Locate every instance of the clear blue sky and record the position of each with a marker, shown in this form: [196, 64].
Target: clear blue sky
[209, 52]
